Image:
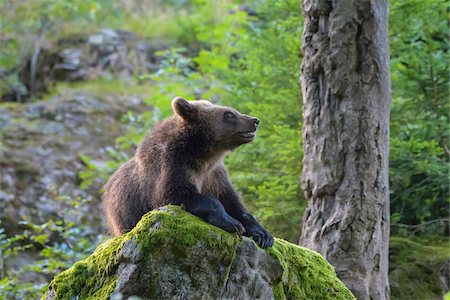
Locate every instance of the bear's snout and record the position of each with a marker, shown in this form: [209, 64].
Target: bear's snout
[253, 122]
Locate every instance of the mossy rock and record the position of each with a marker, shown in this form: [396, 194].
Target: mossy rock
[172, 254]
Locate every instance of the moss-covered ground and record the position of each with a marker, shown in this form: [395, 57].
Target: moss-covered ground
[414, 267]
[306, 274]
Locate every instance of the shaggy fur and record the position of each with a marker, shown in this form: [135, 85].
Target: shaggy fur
[181, 162]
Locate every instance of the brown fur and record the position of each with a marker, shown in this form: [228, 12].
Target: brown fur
[181, 162]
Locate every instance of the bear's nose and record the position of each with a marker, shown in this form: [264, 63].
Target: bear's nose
[256, 121]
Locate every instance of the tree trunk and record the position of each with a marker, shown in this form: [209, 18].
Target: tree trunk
[346, 95]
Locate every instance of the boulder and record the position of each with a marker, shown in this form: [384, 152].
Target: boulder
[172, 254]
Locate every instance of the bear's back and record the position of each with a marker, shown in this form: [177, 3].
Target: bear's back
[134, 188]
[122, 200]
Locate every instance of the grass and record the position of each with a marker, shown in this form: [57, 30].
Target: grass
[105, 87]
[160, 23]
[170, 27]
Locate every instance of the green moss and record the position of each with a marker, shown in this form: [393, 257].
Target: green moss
[10, 105]
[91, 278]
[306, 274]
[447, 296]
[26, 123]
[174, 219]
[414, 267]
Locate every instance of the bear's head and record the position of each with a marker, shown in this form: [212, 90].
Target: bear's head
[225, 125]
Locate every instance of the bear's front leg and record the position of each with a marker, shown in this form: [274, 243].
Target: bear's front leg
[236, 209]
[182, 192]
[212, 211]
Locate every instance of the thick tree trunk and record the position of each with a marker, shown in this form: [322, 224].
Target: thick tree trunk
[346, 94]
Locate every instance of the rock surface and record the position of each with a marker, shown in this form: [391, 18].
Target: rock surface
[40, 154]
[172, 254]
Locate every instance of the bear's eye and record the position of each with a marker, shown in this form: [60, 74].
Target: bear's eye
[229, 115]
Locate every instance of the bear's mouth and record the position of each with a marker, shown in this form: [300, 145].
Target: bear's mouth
[247, 134]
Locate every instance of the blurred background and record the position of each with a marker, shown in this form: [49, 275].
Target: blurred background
[82, 81]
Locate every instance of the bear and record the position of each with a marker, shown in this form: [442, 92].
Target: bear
[180, 162]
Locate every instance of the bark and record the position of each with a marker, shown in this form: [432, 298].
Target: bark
[346, 95]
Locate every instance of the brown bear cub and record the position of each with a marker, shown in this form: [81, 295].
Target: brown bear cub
[181, 162]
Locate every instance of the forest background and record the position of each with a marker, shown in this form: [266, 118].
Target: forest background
[245, 54]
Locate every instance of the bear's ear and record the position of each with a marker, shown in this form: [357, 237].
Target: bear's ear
[183, 108]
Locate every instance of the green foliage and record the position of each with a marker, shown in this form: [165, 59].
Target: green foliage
[57, 244]
[447, 296]
[419, 117]
[419, 181]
